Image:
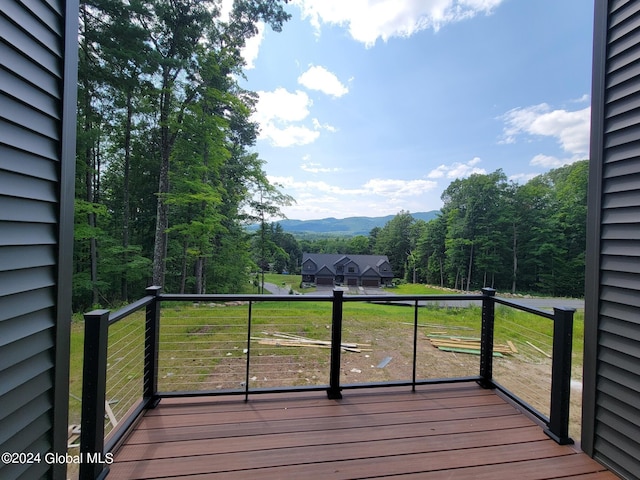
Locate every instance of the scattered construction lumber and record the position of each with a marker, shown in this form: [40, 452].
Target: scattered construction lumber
[435, 325]
[469, 345]
[538, 349]
[289, 340]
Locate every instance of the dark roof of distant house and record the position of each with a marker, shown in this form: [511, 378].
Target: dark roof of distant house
[333, 260]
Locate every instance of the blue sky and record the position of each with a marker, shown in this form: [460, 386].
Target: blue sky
[369, 107]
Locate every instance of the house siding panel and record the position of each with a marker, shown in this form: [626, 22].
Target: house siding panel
[38, 82]
[20, 162]
[611, 414]
[20, 67]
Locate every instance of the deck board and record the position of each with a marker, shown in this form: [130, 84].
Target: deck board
[452, 431]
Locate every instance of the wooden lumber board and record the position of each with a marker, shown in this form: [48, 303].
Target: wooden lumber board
[291, 343]
[473, 343]
[538, 349]
[467, 350]
[504, 351]
[313, 340]
[452, 337]
[300, 339]
[435, 325]
[469, 345]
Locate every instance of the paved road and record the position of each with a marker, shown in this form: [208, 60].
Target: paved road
[576, 303]
[541, 303]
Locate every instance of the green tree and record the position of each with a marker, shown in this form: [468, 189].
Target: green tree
[431, 250]
[475, 227]
[359, 245]
[164, 169]
[395, 241]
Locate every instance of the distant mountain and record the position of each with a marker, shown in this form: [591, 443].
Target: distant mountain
[343, 226]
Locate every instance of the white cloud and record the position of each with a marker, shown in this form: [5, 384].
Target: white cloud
[522, 178]
[288, 136]
[313, 167]
[225, 9]
[399, 188]
[582, 99]
[320, 126]
[321, 79]
[282, 105]
[548, 161]
[368, 20]
[252, 47]
[571, 129]
[278, 112]
[457, 170]
[314, 187]
[318, 199]
[388, 188]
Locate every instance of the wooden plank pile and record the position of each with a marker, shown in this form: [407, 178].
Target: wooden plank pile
[280, 339]
[470, 345]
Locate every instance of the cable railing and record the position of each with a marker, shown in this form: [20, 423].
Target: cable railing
[196, 345]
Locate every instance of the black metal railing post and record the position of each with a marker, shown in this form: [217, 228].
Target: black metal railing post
[151, 346]
[334, 390]
[486, 338]
[415, 346]
[558, 427]
[94, 386]
[248, 365]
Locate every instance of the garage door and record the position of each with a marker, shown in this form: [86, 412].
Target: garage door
[370, 282]
[324, 280]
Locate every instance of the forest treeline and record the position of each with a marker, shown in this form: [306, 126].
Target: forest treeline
[490, 233]
[167, 179]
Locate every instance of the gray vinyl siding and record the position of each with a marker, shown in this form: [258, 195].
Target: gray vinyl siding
[38, 72]
[611, 405]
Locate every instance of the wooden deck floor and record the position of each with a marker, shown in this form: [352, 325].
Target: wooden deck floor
[455, 431]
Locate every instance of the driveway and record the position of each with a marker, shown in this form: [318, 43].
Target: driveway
[275, 289]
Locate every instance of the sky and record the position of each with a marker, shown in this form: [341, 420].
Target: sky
[370, 107]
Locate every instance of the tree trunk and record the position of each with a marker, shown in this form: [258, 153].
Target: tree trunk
[198, 272]
[126, 214]
[515, 260]
[162, 223]
[183, 272]
[162, 211]
[470, 268]
[89, 159]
